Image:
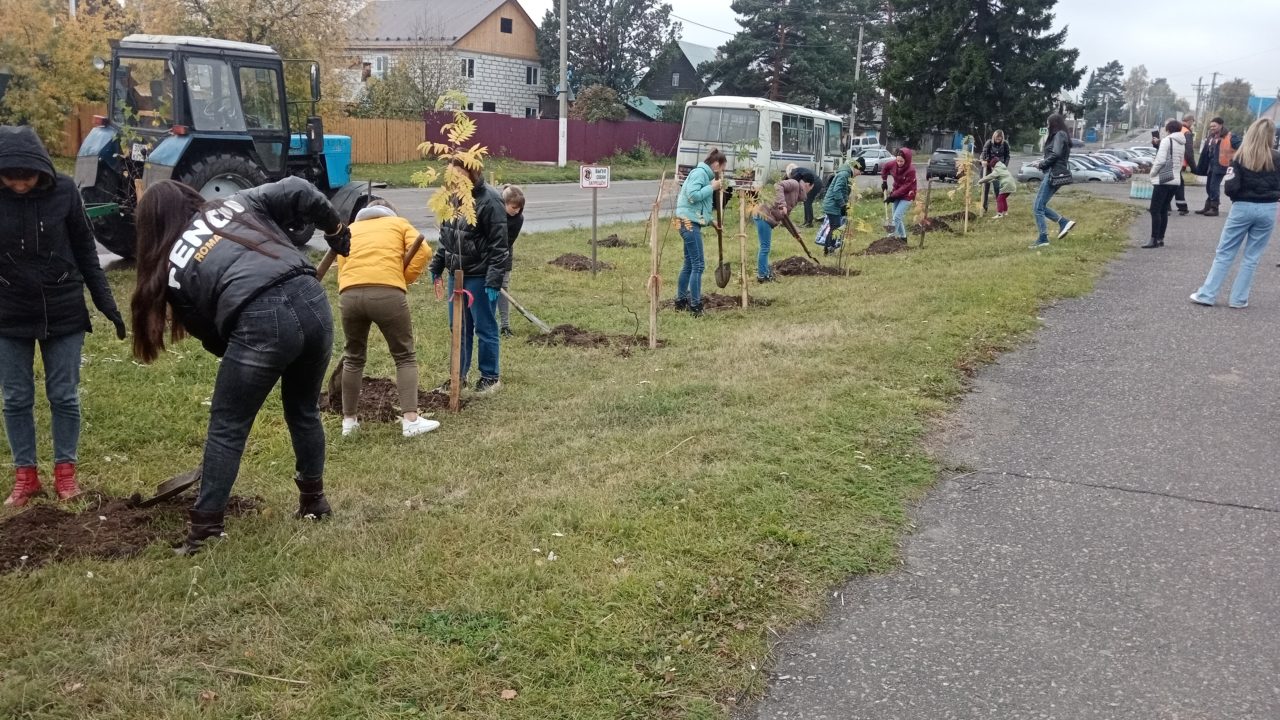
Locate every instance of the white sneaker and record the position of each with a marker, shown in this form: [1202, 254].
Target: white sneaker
[1066, 229]
[349, 426]
[417, 427]
[998, 216]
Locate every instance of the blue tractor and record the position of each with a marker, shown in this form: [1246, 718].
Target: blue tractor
[212, 114]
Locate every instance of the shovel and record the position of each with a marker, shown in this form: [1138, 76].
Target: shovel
[791, 227]
[723, 272]
[171, 488]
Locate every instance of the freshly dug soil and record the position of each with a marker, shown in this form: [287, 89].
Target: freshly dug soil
[109, 528]
[573, 336]
[796, 265]
[613, 241]
[380, 401]
[716, 301]
[886, 245]
[933, 225]
[581, 263]
[956, 217]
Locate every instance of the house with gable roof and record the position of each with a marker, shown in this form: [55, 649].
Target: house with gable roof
[678, 75]
[492, 43]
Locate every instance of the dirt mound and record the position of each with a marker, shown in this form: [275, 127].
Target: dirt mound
[886, 245]
[957, 216]
[932, 225]
[574, 261]
[796, 265]
[613, 241]
[108, 528]
[573, 336]
[716, 301]
[380, 401]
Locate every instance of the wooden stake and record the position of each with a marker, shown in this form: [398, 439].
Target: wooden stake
[455, 356]
[968, 198]
[654, 259]
[742, 243]
[924, 224]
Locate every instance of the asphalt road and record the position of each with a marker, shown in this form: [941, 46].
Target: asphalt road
[1111, 552]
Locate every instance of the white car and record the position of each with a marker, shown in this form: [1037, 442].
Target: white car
[1029, 173]
[875, 158]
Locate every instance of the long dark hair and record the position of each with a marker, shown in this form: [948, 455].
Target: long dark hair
[1056, 124]
[164, 212]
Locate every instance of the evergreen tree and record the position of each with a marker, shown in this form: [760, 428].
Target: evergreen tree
[800, 51]
[975, 67]
[1104, 93]
[611, 42]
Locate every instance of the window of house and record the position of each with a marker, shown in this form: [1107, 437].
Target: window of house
[380, 66]
[489, 107]
[531, 112]
[471, 106]
[260, 98]
[675, 79]
[530, 75]
[468, 68]
[506, 25]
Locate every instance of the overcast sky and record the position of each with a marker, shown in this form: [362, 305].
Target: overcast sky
[1181, 40]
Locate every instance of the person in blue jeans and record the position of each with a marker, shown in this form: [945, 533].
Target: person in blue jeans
[904, 188]
[695, 210]
[1056, 174]
[1252, 182]
[787, 194]
[481, 252]
[225, 272]
[47, 258]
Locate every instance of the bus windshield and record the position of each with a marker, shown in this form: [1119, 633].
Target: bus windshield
[721, 125]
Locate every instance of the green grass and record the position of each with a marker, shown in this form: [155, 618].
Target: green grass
[512, 171]
[699, 499]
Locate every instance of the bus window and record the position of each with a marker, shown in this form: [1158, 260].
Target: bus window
[775, 136]
[833, 138]
[722, 125]
[806, 135]
[790, 133]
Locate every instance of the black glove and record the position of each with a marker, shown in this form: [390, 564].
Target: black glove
[889, 201]
[884, 185]
[340, 240]
[117, 320]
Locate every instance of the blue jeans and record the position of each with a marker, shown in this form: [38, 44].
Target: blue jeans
[1043, 212]
[900, 208]
[765, 232]
[1249, 225]
[284, 335]
[689, 284]
[479, 325]
[61, 356]
[1213, 183]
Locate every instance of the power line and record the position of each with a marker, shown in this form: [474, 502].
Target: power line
[789, 45]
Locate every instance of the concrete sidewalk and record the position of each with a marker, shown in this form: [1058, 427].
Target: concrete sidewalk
[1116, 551]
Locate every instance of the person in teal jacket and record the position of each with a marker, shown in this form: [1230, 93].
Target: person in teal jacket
[695, 210]
[836, 203]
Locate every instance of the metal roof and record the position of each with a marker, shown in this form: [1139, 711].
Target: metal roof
[696, 54]
[419, 20]
[761, 104]
[204, 42]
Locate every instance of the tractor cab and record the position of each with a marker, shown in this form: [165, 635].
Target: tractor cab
[212, 114]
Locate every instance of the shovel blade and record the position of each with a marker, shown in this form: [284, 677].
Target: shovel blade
[723, 275]
[173, 487]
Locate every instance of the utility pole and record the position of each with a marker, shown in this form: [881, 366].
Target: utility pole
[884, 114]
[1213, 87]
[1199, 95]
[857, 75]
[563, 157]
[1106, 115]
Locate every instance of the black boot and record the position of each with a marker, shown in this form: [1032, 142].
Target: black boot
[200, 527]
[1205, 209]
[695, 310]
[1152, 243]
[682, 304]
[1213, 209]
[311, 502]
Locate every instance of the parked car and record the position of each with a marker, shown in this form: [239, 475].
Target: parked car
[1029, 173]
[1097, 162]
[862, 142]
[942, 165]
[875, 158]
[1113, 158]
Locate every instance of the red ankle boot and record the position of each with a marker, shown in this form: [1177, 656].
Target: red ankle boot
[26, 485]
[64, 480]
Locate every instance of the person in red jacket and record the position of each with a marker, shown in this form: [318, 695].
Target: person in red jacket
[904, 188]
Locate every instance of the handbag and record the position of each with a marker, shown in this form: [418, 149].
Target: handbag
[1166, 173]
[824, 232]
[1060, 180]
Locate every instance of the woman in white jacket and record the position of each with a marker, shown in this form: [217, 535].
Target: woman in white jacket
[1166, 178]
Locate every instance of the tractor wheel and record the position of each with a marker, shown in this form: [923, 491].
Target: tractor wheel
[221, 174]
[114, 232]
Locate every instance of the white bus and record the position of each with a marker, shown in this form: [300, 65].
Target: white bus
[760, 137]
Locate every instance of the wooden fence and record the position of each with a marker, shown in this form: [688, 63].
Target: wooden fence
[379, 141]
[76, 127]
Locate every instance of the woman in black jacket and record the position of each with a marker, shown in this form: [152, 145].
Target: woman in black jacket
[481, 252]
[225, 272]
[1253, 184]
[1057, 173]
[805, 175]
[47, 257]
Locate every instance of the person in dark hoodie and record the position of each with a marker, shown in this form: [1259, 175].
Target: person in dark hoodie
[225, 272]
[904, 188]
[481, 252]
[47, 258]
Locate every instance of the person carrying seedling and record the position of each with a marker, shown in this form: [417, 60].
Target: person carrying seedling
[226, 272]
[387, 255]
[787, 194]
[904, 188]
[695, 209]
[513, 201]
[480, 252]
[47, 257]
[998, 176]
[836, 204]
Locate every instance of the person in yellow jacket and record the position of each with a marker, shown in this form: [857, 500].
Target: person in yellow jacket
[387, 256]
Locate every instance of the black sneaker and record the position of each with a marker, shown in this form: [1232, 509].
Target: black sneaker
[696, 310]
[443, 389]
[766, 278]
[682, 304]
[487, 385]
[505, 331]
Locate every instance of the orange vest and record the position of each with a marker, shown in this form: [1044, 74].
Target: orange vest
[1226, 153]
